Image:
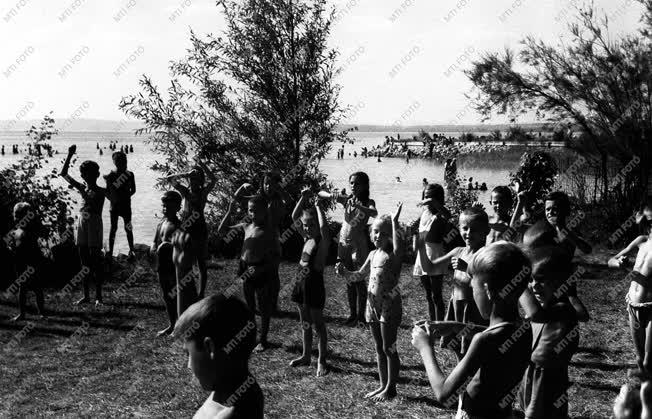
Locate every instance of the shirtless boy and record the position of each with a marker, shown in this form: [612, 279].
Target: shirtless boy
[257, 261]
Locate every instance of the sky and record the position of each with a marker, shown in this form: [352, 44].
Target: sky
[402, 60]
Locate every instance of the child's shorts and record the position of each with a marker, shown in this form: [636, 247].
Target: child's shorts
[640, 314]
[309, 290]
[89, 230]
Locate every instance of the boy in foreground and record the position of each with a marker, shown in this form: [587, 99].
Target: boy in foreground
[218, 334]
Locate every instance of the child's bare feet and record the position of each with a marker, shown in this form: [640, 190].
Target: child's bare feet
[82, 301]
[21, 316]
[167, 331]
[301, 361]
[384, 395]
[322, 368]
[376, 391]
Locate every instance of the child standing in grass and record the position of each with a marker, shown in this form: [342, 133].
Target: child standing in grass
[195, 197]
[384, 308]
[429, 245]
[309, 292]
[218, 334]
[162, 247]
[257, 261]
[28, 258]
[639, 296]
[497, 357]
[353, 249]
[120, 187]
[474, 227]
[555, 337]
[89, 225]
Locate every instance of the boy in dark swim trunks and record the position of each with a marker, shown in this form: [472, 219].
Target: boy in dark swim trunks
[218, 334]
[120, 187]
[162, 247]
[309, 292]
[257, 261]
[497, 357]
[89, 224]
[639, 297]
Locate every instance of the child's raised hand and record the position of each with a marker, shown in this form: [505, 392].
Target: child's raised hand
[459, 264]
[420, 338]
[72, 149]
[397, 213]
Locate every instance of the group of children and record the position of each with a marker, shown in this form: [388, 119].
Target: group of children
[501, 355]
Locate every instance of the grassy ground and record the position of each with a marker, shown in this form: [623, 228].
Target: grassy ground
[107, 363]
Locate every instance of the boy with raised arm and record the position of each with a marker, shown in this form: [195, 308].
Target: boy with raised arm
[257, 261]
[195, 197]
[120, 187]
[89, 224]
[309, 292]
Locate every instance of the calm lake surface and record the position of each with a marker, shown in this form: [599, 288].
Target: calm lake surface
[385, 188]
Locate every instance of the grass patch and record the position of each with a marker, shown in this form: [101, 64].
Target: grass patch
[107, 362]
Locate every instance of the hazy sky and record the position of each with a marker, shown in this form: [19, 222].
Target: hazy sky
[401, 59]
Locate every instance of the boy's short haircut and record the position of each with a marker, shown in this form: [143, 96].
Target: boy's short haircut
[90, 167]
[435, 191]
[172, 196]
[258, 201]
[274, 175]
[507, 269]
[226, 320]
[478, 214]
[21, 210]
[556, 262]
[504, 191]
[539, 234]
[561, 199]
[119, 157]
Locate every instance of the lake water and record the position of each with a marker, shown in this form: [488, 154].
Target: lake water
[385, 188]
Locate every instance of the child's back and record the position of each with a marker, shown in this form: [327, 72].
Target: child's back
[505, 352]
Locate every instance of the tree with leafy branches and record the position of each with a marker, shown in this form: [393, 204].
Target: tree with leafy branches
[260, 96]
[599, 83]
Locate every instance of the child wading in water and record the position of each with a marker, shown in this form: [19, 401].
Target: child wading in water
[384, 309]
[120, 187]
[309, 292]
[194, 201]
[429, 245]
[639, 297]
[353, 248]
[89, 225]
[497, 357]
[474, 227]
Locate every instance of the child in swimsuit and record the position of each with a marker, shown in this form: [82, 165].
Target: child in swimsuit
[195, 198]
[494, 368]
[28, 258]
[120, 187]
[163, 249]
[555, 337]
[309, 292]
[353, 249]
[639, 297]
[557, 210]
[384, 307]
[474, 227]
[501, 201]
[257, 260]
[89, 225]
[429, 245]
